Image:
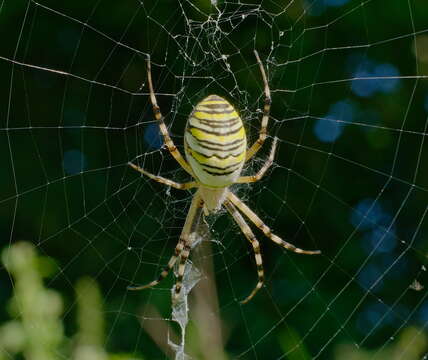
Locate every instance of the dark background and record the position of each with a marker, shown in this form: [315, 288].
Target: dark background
[350, 175]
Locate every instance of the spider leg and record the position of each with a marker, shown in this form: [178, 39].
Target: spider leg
[256, 246]
[192, 221]
[162, 180]
[263, 227]
[266, 110]
[183, 244]
[158, 115]
[262, 171]
[166, 269]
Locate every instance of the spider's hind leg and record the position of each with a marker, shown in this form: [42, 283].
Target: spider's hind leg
[165, 271]
[182, 249]
[263, 227]
[190, 226]
[256, 246]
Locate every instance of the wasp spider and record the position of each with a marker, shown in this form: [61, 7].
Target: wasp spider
[215, 145]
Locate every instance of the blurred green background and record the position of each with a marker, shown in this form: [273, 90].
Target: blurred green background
[350, 102]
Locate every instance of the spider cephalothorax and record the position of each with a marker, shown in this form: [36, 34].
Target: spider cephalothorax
[216, 150]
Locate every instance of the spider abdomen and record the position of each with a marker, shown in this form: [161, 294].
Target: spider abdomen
[215, 142]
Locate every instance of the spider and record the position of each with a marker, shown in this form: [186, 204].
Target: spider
[215, 145]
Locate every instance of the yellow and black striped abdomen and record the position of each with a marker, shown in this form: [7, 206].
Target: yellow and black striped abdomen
[215, 142]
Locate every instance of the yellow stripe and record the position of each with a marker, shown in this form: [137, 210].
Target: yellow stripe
[202, 135]
[214, 102]
[202, 115]
[212, 110]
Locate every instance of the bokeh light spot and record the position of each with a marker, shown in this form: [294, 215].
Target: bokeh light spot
[331, 126]
[369, 277]
[328, 130]
[382, 239]
[335, 3]
[314, 7]
[363, 87]
[387, 70]
[368, 214]
[152, 136]
[74, 162]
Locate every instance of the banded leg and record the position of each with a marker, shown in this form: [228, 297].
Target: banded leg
[184, 255]
[266, 230]
[266, 110]
[165, 270]
[158, 115]
[262, 171]
[180, 273]
[256, 246]
[194, 211]
[162, 180]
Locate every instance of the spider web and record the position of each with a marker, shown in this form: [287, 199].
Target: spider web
[349, 107]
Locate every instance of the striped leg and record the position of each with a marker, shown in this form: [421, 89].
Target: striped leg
[256, 247]
[166, 270]
[262, 171]
[162, 180]
[158, 115]
[266, 110]
[181, 268]
[184, 255]
[194, 212]
[266, 230]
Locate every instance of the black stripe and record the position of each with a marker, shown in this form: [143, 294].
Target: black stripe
[216, 132]
[224, 121]
[220, 148]
[217, 156]
[218, 174]
[215, 143]
[219, 124]
[214, 112]
[220, 168]
[217, 168]
[223, 105]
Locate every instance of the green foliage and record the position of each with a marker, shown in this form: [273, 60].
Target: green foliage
[90, 338]
[38, 334]
[36, 331]
[411, 345]
[292, 343]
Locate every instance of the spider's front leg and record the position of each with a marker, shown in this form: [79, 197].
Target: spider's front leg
[268, 163]
[266, 111]
[162, 180]
[158, 115]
